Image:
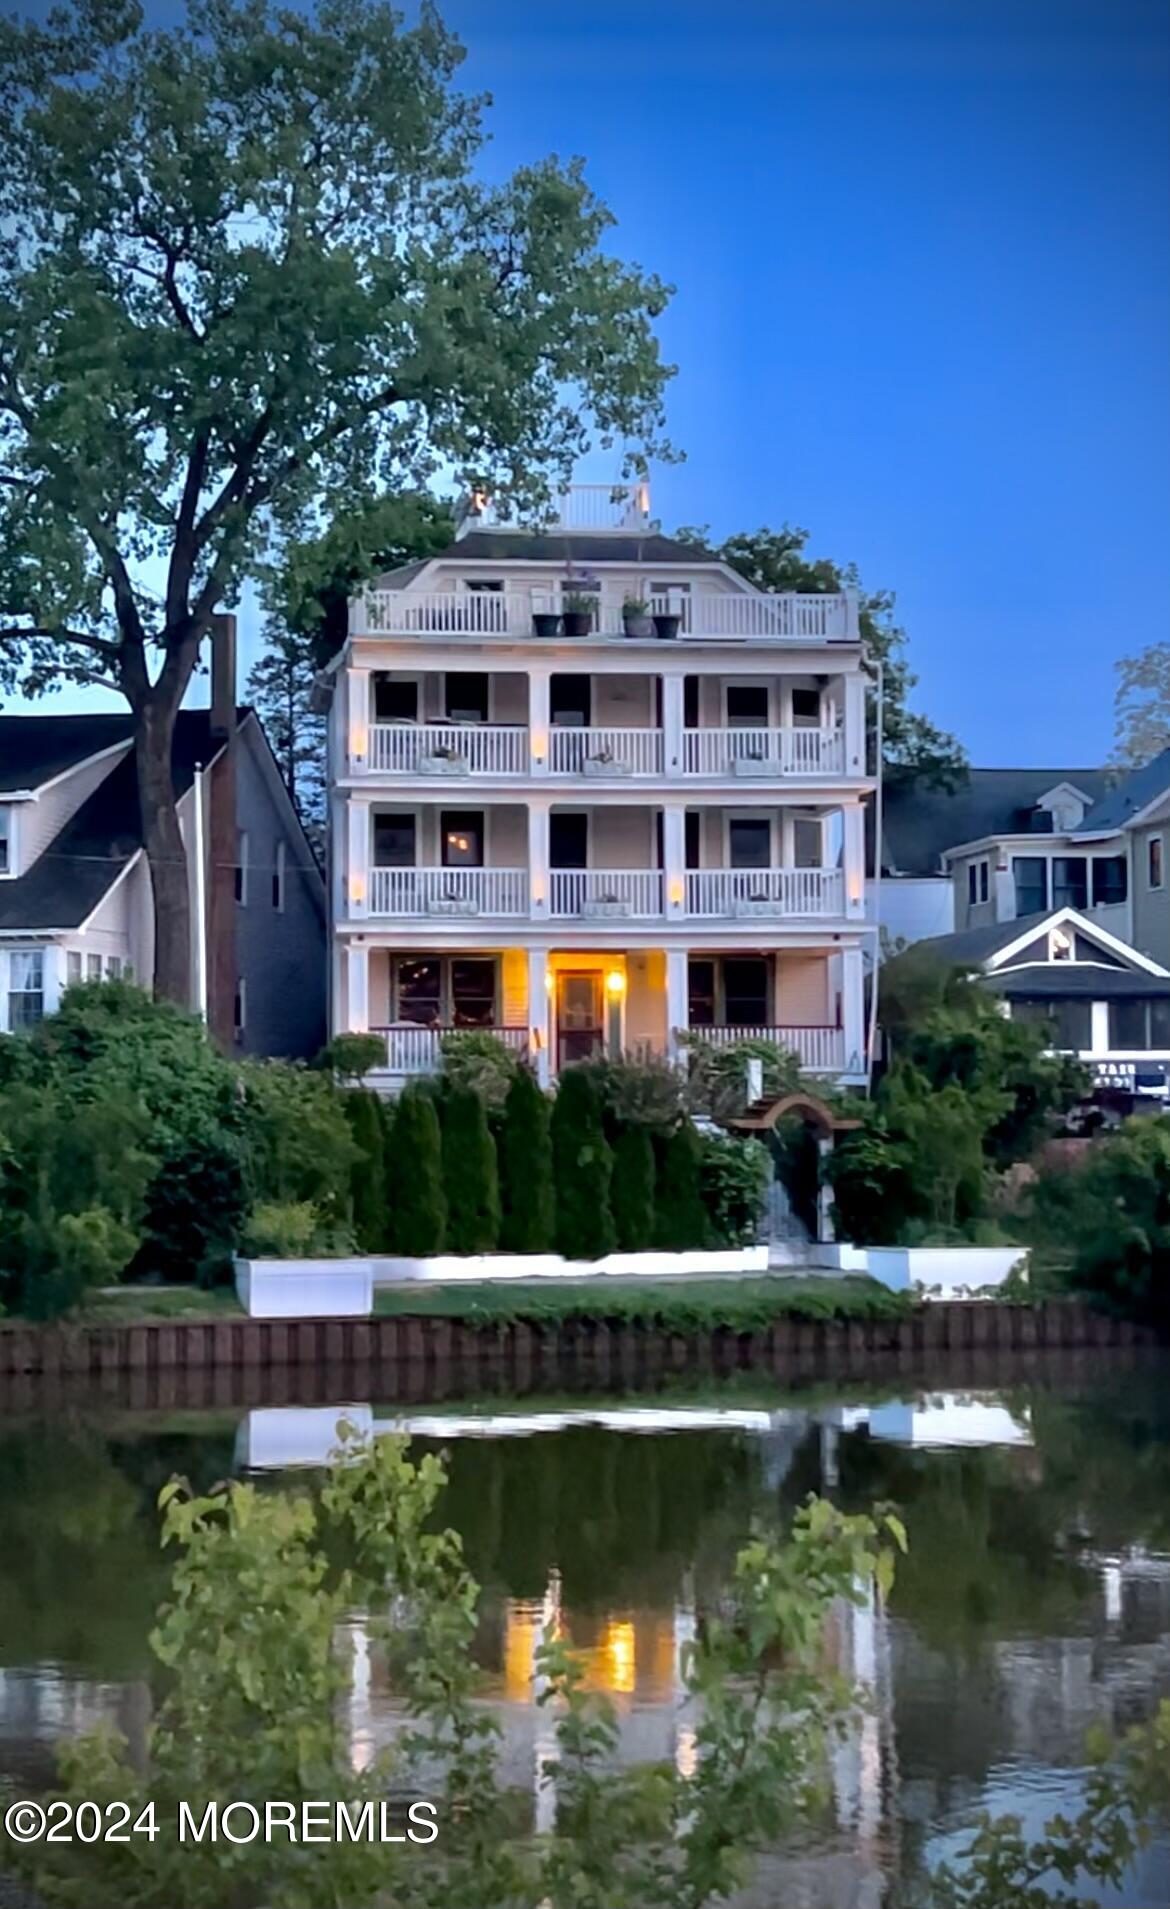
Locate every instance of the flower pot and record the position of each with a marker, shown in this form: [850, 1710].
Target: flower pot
[577, 622]
[638, 625]
[666, 625]
[546, 623]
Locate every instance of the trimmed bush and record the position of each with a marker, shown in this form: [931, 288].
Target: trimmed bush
[734, 1177]
[582, 1170]
[367, 1180]
[195, 1210]
[418, 1210]
[294, 1229]
[680, 1224]
[470, 1179]
[527, 1202]
[633, 1190]
[350, 1057]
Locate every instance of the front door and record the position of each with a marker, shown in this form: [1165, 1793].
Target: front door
[580, 1030]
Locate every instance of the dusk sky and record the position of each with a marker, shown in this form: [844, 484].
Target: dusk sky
[922, 251]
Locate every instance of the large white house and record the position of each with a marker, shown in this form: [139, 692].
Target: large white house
[589, 836]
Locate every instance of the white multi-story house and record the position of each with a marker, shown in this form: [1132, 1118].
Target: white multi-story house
[589, 839]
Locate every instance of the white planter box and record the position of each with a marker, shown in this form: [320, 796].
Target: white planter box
[305, 1288]
[605, 909]
[955, 1271]
[444, 765]
[755, 766]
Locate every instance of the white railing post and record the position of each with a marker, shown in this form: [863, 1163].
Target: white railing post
[357, 988]
[538, 869]
[673, 744]
[357, 741]
[358, 858]
[538, 1012]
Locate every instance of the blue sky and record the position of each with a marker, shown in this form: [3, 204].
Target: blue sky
[922, 251]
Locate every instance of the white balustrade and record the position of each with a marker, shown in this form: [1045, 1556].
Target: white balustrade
[448, 891]
[581, 507]
[473, 749]
[604, 752]
[597, 893]
[740, 894]
[821, 1050]
[419, 1050]
[763, 752]
[702, 614]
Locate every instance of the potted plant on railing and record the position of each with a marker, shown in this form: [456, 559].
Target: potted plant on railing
[667, 616]
[636, 620]
[546, 622]
[577, 608]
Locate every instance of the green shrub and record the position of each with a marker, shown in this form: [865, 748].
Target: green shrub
[481, 1062]
[294, 1229]
[297, 1138]
[717, 1076]
[350, 1057]
[368, 1195]
[1112, 1215]
[645, 1092]
[633, 1190]
[734, 1176]
[195, 1209]
[680, 1218]
[470, 1178]
[418, 1210]
[527, 1203]
[582, 1169]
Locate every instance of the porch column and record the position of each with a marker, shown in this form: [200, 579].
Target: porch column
[674, 859]
[672, 724]
[676, 1002]
[357, 968]
[538, 721]
[538, 1012]
[358, 859]
[538, 873]
[855, 724]
[357, 751]
[1099, 1027]
[853, 1009]
[853, 858]
[53, 973]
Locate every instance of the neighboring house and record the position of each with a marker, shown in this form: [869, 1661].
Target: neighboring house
[598, 840]
[1103, 1000]
[75, 898]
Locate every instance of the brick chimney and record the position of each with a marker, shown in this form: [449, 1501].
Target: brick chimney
[222, 836]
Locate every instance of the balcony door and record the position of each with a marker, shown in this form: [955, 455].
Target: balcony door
[580, 1024]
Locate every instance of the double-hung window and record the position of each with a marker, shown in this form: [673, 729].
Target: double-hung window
[26, 988]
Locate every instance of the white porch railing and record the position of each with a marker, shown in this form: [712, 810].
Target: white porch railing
[581, 507]
[763, 752]
[595, 892]
[475, 749]
[702, 613]
[742, 893]
[419, 1050]
[819, 1049]
[448, 891]
[604, 752]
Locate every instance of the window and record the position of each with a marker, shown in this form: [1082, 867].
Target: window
[241, 877]
[972, 883]
[473, 993]
[749, 843]
[72, 967]
[1160, 1024]
[419, 990]
[93, 967]
[806, 708]
[984, 880]
[692, 853]
[701, 994]
[493, 586]
[745, 992]
[1031, 879]
[395, 702]
[1154, 861]
[461, 838]
[278, 878]
[807, 841]
[1070, 881]
[6, 855]
[394, 841]
[747, 706]
[568, 840]
[1127, 1024]
[1110, 880]
[570, 702]
[240, 1008]
[467, 697]
[434, 991]
[26, 988]
[1071, 1030]
[114, 968]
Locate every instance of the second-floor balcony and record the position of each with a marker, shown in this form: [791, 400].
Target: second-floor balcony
[593, 894]
[512, 751]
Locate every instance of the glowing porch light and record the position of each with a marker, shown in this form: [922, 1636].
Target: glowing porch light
[677, 893]
[540, 744]
[357, 888]
[615, 983]
[358, 741]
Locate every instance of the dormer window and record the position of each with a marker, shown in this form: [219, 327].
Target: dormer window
[1060, 945]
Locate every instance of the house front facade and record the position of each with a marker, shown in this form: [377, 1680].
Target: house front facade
[593, 792]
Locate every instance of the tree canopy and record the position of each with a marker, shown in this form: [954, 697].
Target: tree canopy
[1141, 706]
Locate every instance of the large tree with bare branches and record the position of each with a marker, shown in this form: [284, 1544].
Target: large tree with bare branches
[248, 270]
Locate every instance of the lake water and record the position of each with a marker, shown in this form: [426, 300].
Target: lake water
[1035, 1600]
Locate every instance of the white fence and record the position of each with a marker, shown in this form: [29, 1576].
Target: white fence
[702, 613]
[475, 749]
[419, 1050]
[448, 891]
[605, 752]
[763, 752]
[740, 893]
[821, 1050]
[594, 892]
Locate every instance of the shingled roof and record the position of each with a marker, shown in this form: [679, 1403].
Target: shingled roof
[919, 824]
[511, 546]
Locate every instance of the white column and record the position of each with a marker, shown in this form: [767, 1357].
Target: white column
[855, 686]
[358, 720]
[53, 974]
[538, 720]
[672, 725]
[674, 858]
[1099, 1027]
[1003, 890]
[676, 1001]
[538, 872]
[358, 859]
[853, 1009]
[538, 1017]
[853, 858]
[357, 969]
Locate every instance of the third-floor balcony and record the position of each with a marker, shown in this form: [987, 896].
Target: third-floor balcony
[552, 610]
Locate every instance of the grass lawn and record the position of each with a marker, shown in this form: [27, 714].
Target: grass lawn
[677, 1305]
[129, 1305]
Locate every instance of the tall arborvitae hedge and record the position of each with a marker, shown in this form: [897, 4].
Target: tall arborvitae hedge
[681, 1222]
[470, 1181]
[582, 1169]
[371, 1213]
[418, 1210]
[633, 1190]
[528, 1210]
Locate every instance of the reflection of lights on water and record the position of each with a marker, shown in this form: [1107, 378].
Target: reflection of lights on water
[617, 1653]
[686, 1753]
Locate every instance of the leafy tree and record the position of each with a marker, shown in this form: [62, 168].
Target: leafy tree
[418, 1208]
[582, 1169]
[633, 1190]
[1141, 706]
[912, 747]
[1111, 1214]
[250, 261]
[297, 1139]
[528, 1213]
[734, 1176]
[680, 1218]
[369, 1196]
[195, 1209]
[470, 1178]
[350, 1057]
